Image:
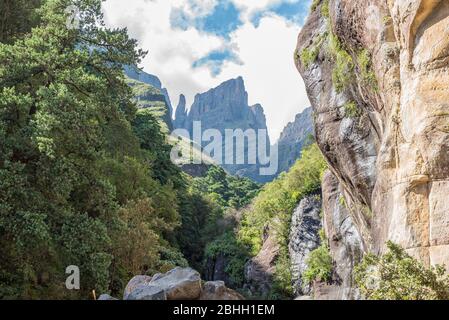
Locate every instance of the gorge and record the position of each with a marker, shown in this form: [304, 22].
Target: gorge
[357, 208]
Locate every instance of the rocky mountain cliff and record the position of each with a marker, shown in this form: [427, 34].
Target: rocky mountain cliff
[151, 80]
[377, 75]
[293, 138]
[225, 107]
[150, 97]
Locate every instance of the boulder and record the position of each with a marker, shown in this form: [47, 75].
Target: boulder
[147, 291]
[134, 283]
[216, 290]
[179, 284]
[106, 297]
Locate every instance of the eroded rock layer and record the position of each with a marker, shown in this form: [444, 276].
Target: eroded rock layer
[377, 76]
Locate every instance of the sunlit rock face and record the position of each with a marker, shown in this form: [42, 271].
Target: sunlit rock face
[392, 158]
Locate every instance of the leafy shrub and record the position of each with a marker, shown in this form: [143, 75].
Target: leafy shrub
[235, 253]
[343, 72]
[365, 65]
[319, 263]
[314, 5]
[351, 110]
[325, 9]
[397, 276]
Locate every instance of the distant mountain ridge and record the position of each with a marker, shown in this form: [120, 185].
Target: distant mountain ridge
[221, 108]
[293, 138]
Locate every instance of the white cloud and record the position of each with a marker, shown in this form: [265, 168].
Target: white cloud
[266, 52]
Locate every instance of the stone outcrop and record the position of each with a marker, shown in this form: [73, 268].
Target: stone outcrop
[134, 283]
[181, 114]
[344, 242]
[177, 284]
[293, 138]
[377, 75]
[260, 269]
[304, 238]
[216, 290]
[226, 107]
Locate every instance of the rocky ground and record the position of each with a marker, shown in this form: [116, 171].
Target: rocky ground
[177, 284]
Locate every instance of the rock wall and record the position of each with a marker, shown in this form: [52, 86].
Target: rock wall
[384, 127]
[304, 238]
[344, 242]
[293, 138]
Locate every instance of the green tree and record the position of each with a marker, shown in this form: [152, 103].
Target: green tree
[17, 18]
[397, 276]
[77, 180]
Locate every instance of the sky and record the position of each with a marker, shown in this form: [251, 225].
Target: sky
[195, 45]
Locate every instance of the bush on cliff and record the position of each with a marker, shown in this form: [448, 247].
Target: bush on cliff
[319, 263]
[397, 276]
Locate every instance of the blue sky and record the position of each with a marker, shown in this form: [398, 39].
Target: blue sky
[225, 17]
[195, 45]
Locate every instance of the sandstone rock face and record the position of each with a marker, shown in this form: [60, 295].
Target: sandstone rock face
[391, 156]
[304, 238]
[226, 108]
[293, 138]
[216, 290]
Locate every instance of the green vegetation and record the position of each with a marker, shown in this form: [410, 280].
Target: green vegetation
[235, 254]
[151, 98]
[365, 66]
[228, 191]
[310, 54]
[85, 174]
[343, 72]
[209, 217]
[314, 5]
[319, 263]
[325, 9]
[397, 276]
[85, 179]
[351, 109]
[273, 208]
[17, 18]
